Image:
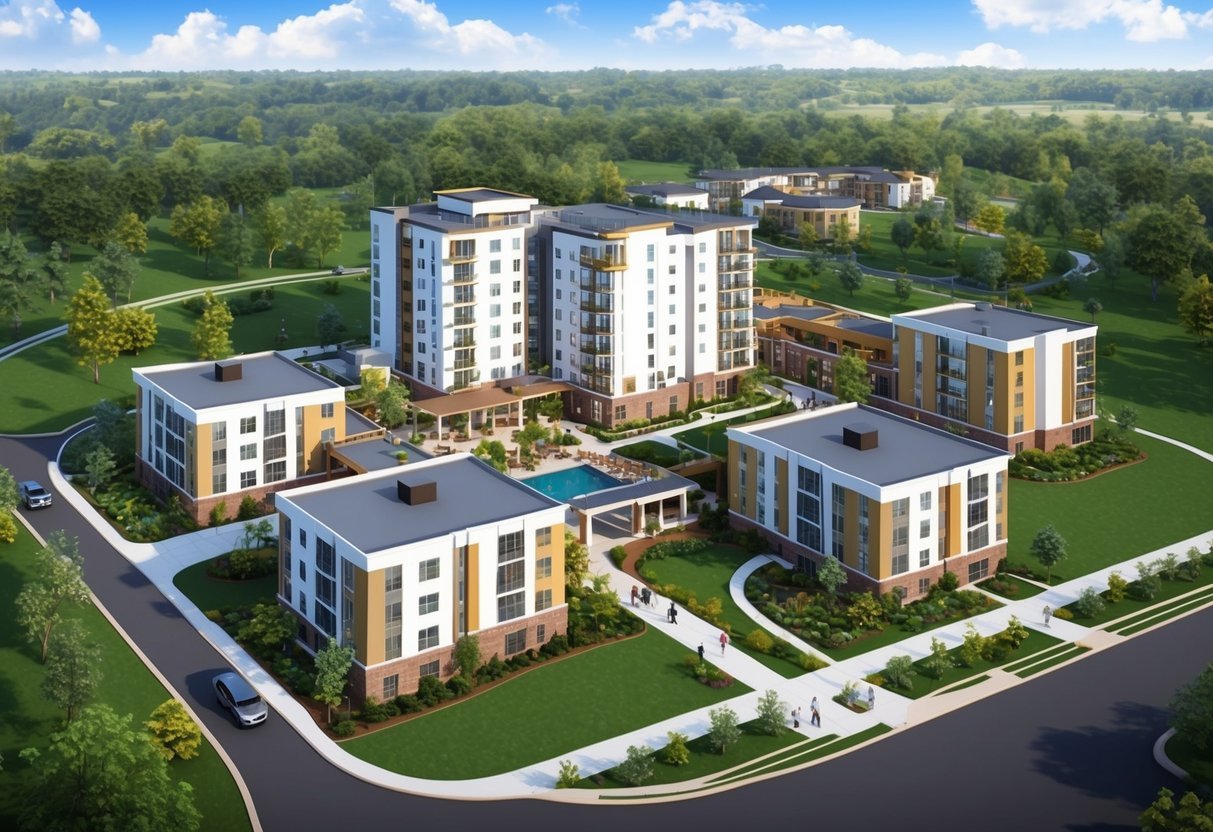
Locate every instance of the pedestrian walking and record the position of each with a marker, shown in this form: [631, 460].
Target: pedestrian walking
[724, 641]
[635, 594]
[673, 613]
[1048, 614]
[814, 713]
[796, 717]
[669, 614]
[871, 698]
[646, 596]
[701, 651]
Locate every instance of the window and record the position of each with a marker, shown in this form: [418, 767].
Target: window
[494, 246]
[275, 471]
[427, 638]
[511, 606]
[543, 537]
[979, 570]
[541, 632]
[325, 620]
[391, 687]
[303, 538]
[248, 479]
[302, 604]
[543, 600]
[248, 424]
[1019, 359]
[901, 563]
[924, 528]
[427, 604]
[275, 422]
[219, 431]
[275, 447]
[218, 483]
[621, 412]
[218, 457]
[429, 669]
[924, 557]
[330, 434]
[924, 586]
[543, 567]
[248, 451]
[428, 569]
[924, 501]
[1080, 435]
[515, 642]
[979, 538]
[1019, 399]
[326, 412]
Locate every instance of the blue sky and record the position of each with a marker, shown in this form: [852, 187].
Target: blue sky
[629, 34]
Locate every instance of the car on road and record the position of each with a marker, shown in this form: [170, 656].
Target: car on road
[338, 270]
[238, 696]
[34, 495]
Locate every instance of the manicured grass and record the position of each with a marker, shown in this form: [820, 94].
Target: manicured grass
[636, 171]
[709, 436]
[816, 752]
[967, 683]
[704, 760]
[1117, 515]
[1128, 610]
[1162, 613]
[925, 685]
[648, 450]
[706, 575]
[209, 593]
[45, 390]
[874, 296]
[1057, 658]
[1018, 587]
[1015, 665]
[545, 712]
[1198, 763]
[126, 685]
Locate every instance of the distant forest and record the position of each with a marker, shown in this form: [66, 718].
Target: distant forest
[78, 152]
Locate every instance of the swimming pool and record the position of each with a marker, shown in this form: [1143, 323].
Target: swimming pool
[571, 482]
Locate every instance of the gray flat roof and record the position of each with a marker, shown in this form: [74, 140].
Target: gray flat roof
[666, 189]
[356, 423]
[632, 491]
[906, 449]
[366, 511]
[263, 376]
[482, 195]
[880, 329]
[604, 217]
[1004, 323]
[804, 313]
[770, 194]
[377, 453]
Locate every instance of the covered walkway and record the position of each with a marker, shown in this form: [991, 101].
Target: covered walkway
[501, 407]
[659, 498]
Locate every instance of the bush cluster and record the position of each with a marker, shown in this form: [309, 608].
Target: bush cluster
[138, 512]
[1064, 464]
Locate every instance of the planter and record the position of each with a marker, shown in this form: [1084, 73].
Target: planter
[715, 683]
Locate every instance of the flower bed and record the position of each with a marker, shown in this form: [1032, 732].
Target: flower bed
[1066, 464]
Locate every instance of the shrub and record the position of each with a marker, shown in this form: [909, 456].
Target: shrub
[1015, 633]
[939, 660]
[759, 640]
[1116, 587]
[218, 514]
[973, 647]
[1189, 570]
[372, 711]
[637, 769]
[331, 287]
[173, 731]
[459, 685]
[344, 728]
[569, 775]
[900, 672]
[1063, 614]
[248, 509]
[1090, 603]
[676, 751]
[772, 714]
[430, 691]
[617, 553]
[809, 662]
[864, 612]
[948, 581]
[1166, 567]
[1144, 588]
[407, 703]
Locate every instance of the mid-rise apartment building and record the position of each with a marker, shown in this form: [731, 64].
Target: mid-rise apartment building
[400, 564]
[874, 187]
[897, 503]
[213, 432]
[643, 312]
[1016, 379]
[449, 287]
[824, 213]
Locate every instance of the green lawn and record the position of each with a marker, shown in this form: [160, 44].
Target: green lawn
[209, 593]
[704, 760]
[924, 684]
[648, 450]
[47, 390]
[546, 712]
[815, 751]
[1115, 516]
[126, 685]
[635, 171]
[1198, 763]
[1057, 657]
[1014, 588]
[874, 296]
[709, 435]
[706, 575]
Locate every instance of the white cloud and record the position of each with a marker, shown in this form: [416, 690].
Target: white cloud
[1143, 20]
[793, 45]
[43, 19]
[568, 12]
[992, 54]
[470, 37]
[84, 28]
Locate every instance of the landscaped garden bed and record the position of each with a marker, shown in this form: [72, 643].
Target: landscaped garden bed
[1010, 586]
[1110, 448]
[658, 453]
[1161, 580]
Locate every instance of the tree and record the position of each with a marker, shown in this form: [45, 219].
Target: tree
[807, 235]
[332, 672]
[100, 773]
[1190, 814]
[58, 580]
[990, 268]
[197, 225]
[851, 277]
[173, 730]
[842, 236]
[903, 288]
[467, 655]
[576, 560]
[1192, 710]
[73, 668]
[116, 270]
[54, 271]
[772, 714]
[724, 730]
[134, 329]
[1049, 547]
[269, 226]
[493, 452]
[637, 769]
[902, 234]
[608, 185]
[928, 234]
[234, 242]
[1162, 242]
[8, 491]
[1092, 307]
[939, 661]
[329, 326]
[323, 232]
[1093, 198]
[212, 334]
[831, 576]
[131, 233]
[392, 404]
[19, 279]
[966, 201]
[899, 672]
[1025, 261]
[851, 383]
[146, 134]
[89, 334]
[99, 465]
[676, 751]
[248, 131]
[1112, 255]
[1196, 309]
[990, 219]
[268, 630]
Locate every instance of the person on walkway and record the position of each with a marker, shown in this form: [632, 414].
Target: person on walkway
[635, 594]
[871, 698]
[796, 717]
[701, 651]
[673, 613]
[1048, 614]
[724, 641]
[814, 713]
[645, 596]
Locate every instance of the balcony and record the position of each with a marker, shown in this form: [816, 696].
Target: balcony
[461, 252]
[599, 384]
[464, 298]
[610, 259]
[604, 305]
[733, 282]
[462, 340]
[733, 301]
[738, 263]
[463, 364]
[736, 246]
[600, 346]
[461, 277]
[597, 367]
[464, 317]
[729, 322]
[736, 341]
[591, 283]
[592, 327]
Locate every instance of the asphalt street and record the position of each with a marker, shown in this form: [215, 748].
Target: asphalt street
[1071, 750]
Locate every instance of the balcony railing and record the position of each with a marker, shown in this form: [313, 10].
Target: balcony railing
[591, 327]
[729, 322]
[608, 263]
[461, 254]
[737, 341]
[465, 364]
[601, 346]
[733, 302]
[463, 340]
[461, 278]
[606, 306]
[728, 284]
[590, 283]
[464, 319]
[738, 263]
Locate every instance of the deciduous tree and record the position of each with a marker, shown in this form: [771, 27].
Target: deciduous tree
[116, 269]
[212, 334]
[1025, 261]
[724, 730]
[1049, 547]
[235, 243]
[1092, 307]
[329, 326]
[173, 730]
[990, 219]
[851, 382]
[831, 576]
[772, 714]
[131, 233]
[851, 277]
[1196, 309]
[332, 674]
[89, 333]
[1192, 710]
[73, 668]
[269, 226]
[902, 234]
[54, 271]
[58, 579]
[990, 268]
[135, 329]
[197, 225]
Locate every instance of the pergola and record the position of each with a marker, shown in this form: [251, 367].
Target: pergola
[642, 498]
[487, 403]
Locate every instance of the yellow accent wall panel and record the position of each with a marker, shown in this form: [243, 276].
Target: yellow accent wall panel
[202, 443]
[368, 632]
[880, 540]
[751, 482]
[976, 371]
[1067, 382]
[473, 587]
[955, 514]
[1029, 387]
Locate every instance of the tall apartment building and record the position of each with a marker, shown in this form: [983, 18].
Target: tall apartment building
[642, 312]
[448, 286]
[896, 502]
[1016, 379]
[214, 432]
[399, 564]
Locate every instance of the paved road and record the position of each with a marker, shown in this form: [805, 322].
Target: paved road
[1070, 751]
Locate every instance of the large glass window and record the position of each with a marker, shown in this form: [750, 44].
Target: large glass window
[427, 638]
[428, 570]
[511, 606]
[427, 604]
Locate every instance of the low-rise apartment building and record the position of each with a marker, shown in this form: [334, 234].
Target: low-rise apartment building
[897, 503]
[874, 187]
[211, 432]
[669, 195]
[400, 564]
[824, 213]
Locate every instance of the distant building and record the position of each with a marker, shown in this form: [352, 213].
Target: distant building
[897, 503]
[824, 213]
[670, 195]
[874, 187]
[400, 564]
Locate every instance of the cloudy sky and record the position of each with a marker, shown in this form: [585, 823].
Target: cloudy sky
[629, 34]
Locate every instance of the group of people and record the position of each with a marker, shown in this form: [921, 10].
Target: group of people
[814, 715]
